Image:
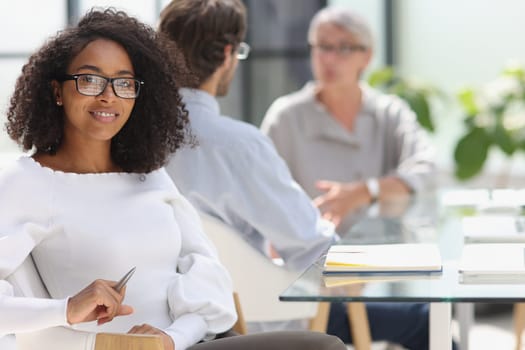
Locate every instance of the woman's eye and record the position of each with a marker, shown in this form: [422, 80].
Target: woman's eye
[125, 83]
[88, 79]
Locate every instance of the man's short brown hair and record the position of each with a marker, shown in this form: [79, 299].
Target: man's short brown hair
[202, 28]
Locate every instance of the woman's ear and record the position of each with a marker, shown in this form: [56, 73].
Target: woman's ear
[56, 92]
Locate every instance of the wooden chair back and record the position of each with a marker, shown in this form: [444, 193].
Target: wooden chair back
[519, 323]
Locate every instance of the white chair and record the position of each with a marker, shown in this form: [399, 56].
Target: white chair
[27, 282]
[256, 279]
[258, 282]
[8, 342]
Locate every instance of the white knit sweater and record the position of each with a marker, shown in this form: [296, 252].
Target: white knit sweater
[82, 227]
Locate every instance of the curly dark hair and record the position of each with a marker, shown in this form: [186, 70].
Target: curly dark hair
[202, 28]
[158, 124]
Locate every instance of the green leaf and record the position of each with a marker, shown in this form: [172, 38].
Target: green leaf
[398, 87]
[521, 145]
[503, 139]
[468, 101]
[417, 96]
[419, 104]
[514, 71]
[381, 77]
[470, 153]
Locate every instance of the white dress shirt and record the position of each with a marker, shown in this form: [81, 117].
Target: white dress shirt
[236, 175]
[83, 227]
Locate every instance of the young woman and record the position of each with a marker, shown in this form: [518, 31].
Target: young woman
[99, 109]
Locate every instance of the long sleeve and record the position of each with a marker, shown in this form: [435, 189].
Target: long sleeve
[22, 313]
[56, 338]
[277, 207]
[412, 157]
[25, 306]
[253, 191]
[202, 283]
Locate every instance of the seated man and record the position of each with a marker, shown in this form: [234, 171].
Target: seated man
[236, 175]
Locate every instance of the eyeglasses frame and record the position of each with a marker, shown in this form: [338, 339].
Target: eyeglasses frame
[351, 48]
[75, 77]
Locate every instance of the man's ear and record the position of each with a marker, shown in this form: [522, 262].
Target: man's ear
[56, 92]
[228, 55]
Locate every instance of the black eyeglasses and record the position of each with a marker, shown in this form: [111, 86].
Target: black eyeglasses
[342, 50]
[94, 85]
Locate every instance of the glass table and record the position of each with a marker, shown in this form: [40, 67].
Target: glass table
[420, 219]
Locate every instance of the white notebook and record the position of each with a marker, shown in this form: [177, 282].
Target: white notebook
[493, 263]
[386, 258]
[494, 229]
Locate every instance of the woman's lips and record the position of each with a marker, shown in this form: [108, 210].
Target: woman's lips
[104, 117]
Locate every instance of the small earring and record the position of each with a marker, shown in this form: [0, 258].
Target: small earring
[59, 103]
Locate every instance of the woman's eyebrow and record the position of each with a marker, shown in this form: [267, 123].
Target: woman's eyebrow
[89, 67]
[98, 70]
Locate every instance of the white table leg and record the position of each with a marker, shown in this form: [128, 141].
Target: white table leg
[465, 316]
[440, 326]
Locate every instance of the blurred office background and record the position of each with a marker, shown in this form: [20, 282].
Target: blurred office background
[447, 44]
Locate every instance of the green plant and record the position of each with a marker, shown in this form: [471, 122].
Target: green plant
[494, 117]
[416, 95]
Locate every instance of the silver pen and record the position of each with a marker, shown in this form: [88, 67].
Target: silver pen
[120, 284]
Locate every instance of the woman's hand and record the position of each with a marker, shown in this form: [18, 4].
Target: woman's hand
[98, 301]
[147, 329]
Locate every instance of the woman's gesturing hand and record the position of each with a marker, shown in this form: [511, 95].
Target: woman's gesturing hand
[98, 301]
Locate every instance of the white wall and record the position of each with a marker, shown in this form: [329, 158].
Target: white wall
[18, 22]
[453, 43]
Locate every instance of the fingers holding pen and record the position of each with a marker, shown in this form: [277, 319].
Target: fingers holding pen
[98, 301]
[116, 309]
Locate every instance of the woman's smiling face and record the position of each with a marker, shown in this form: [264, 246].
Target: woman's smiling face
[96, 118]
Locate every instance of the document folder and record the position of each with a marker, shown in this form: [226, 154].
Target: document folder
[383, 258]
